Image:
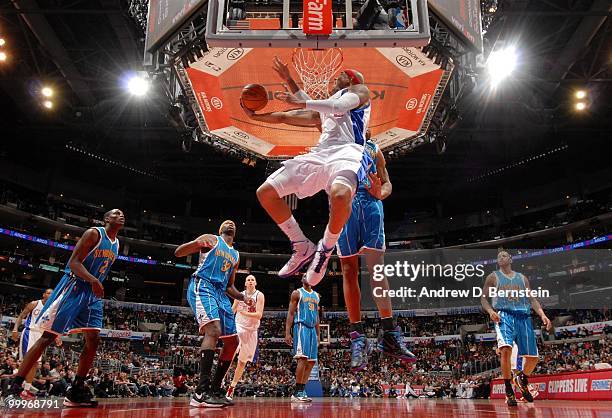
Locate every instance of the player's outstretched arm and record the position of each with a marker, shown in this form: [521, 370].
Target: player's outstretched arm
[537, 307]
[83, 247]
[195, 246]
[25, 312]
[491, 281]
[293, 302]
[297, 117]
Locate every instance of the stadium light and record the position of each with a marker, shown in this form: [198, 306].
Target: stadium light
[2, 42]
[48, 104]
[580, 94]
[3, 56]
[47, 91]
[580, 106]
[138, 85]
[501, 64]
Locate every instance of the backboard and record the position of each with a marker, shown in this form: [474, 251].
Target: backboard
[405, 83]
[317, 23]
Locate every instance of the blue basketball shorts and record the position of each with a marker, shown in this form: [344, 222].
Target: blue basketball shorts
[516, 327]
[71, 308]
[365, 227]
[305, 342]
[210, 303]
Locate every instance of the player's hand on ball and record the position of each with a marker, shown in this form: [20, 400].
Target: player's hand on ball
[494, 316]
[546, 322]
[375, 188]
[288, 339]
[206, 241]
[97, 288]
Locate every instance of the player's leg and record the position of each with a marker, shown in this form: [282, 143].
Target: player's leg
[206, 309]
[29, 361]
[352, 299]
[229, 337]
[505, 338]
[78, 395]
[340, 195]
[527, 348]
[300, 383]
[283, 182]
[246, 353]
[311, 351]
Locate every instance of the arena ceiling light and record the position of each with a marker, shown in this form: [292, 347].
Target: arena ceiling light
[580, 94]
[580, 106]
[48, 104]
[2, 42]
[3, 56]
[501, 64]
[47, 91]
[138, 84]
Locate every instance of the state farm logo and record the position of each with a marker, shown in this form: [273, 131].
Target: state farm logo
[235, 53]
[241, 135]
[216, 102]
[412, 104]
[404, 61]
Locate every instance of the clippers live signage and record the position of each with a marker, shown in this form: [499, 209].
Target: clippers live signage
[166, 16]
[462, 16]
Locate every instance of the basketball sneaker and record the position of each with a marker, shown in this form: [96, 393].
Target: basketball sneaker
[230, 393]
[359, 351]
[391, 343]
[300, 397]
[510, 398]
[318, 266]
[203, 399]
[79, 396]
[226, 401]
[26, 395]
[520, 380]
[301, 254]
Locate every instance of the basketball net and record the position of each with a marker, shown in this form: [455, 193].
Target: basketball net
[317, 67]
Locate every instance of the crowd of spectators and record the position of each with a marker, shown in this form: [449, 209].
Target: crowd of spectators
[452, 368]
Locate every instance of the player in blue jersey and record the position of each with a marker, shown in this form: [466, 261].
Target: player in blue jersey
[76, 305]
[364, 233]
[209, 288]
[29, 336]
[303, 318]
[511, 313]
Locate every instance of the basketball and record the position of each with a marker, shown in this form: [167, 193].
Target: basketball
[254, 97]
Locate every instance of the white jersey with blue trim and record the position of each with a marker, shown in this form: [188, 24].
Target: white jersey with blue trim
[30, 320]
[344, 128]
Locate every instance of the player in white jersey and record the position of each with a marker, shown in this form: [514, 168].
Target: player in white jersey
[335, 165]
[29, 336]
[247, 325]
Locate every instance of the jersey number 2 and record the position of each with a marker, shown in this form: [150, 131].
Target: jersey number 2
[103, 267]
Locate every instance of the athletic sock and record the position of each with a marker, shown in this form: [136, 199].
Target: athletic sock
[524, 378]
[299, 387]
[508, 384]
[387, 324]
[292, 229]
[330, 239]
[27, 386]
[222, 367]
[206, 363]
[357, 326]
